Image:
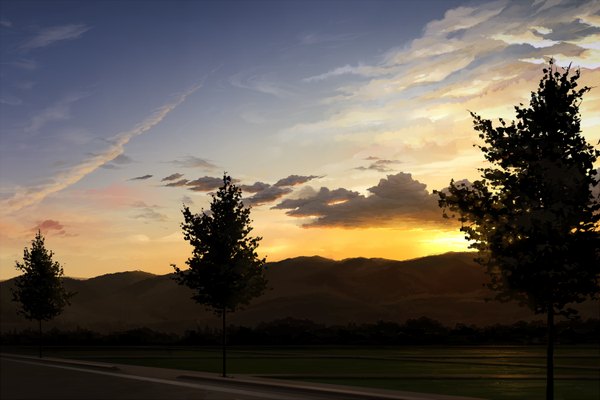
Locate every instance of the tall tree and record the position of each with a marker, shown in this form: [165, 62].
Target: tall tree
[533, 216]
[40, 289]
[224, 271]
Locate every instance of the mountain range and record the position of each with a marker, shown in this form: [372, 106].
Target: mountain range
[449, 288]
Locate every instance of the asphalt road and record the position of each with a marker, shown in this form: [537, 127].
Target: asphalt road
[20, 379]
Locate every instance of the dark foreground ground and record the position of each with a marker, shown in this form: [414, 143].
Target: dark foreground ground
[500, 373]
[29, 378]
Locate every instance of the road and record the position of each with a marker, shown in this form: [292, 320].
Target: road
[26, 377]
[21, 379]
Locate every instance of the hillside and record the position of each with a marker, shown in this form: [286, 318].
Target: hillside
[448, 287]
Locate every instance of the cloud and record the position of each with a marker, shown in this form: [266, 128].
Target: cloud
[314, 204]
[140, 204]
[379, 165]
[148, 212]
[141, 178]
[262, 84]
[122, 159]
[267, 195]
[194, 162]
[312, 38]
[187, 200]
[50, 226]
[151, 215]
[10, 100]
[48, 36]
[171, 177]
[360, 70]
[182, 182]
[5, 23]
[465, 37]
[255, 187]
[411, 102]
[395, 200]
[119, 160]
[109, 166]
[205, 184]
[533, 37]
[294, 180]
[61, 110]
[32, 195]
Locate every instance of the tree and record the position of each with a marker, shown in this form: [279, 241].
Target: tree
[224, 271]
[533, 216]
[40, 289]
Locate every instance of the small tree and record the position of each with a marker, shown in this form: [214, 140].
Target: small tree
[40, 289]
[533, 215]
[224, 271]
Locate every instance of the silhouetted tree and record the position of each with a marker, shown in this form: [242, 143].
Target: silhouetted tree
[225, 271]
[533, 215]
[40, 289]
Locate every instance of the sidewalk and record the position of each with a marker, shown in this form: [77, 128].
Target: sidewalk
[246, 381]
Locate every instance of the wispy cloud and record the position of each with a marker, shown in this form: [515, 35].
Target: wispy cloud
[202, 184]
[122, 159]
[32, 195]
[261, 192]
[10, 100]
[171, 177]
[294, 180]
[48, 36]
[148, 212]
[255, 187]
[5, 23]
[118, 161]
[141, 178]
[187, 200]
[205, 184]
[379, 165]
[264, 193]
[59, 111]
[413, 99]
[361, 70]
[50, 226]
[267, 195]
[194, 162]
[181, 182]
[262, 84]
[313, 38]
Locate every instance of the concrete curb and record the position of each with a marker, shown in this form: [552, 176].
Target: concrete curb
[308, 388]
[63, 361]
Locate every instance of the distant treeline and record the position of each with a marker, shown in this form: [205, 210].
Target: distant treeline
[290, 331]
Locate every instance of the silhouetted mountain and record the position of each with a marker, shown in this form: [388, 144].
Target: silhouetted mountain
[448, 288]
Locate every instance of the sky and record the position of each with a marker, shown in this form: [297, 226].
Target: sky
[337, 119]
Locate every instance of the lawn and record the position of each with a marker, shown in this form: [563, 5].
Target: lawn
[502, 373]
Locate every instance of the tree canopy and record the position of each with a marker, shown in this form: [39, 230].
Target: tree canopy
[224, 271]
[533, 214]
[40, 290]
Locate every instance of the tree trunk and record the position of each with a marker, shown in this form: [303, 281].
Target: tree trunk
[224, 342]
[40, 338]
[550, 355]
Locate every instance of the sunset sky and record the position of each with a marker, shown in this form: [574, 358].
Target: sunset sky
[337, 118]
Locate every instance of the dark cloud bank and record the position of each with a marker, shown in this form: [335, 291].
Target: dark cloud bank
[396, 198]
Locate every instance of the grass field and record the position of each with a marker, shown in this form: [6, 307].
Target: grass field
[502, 373]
